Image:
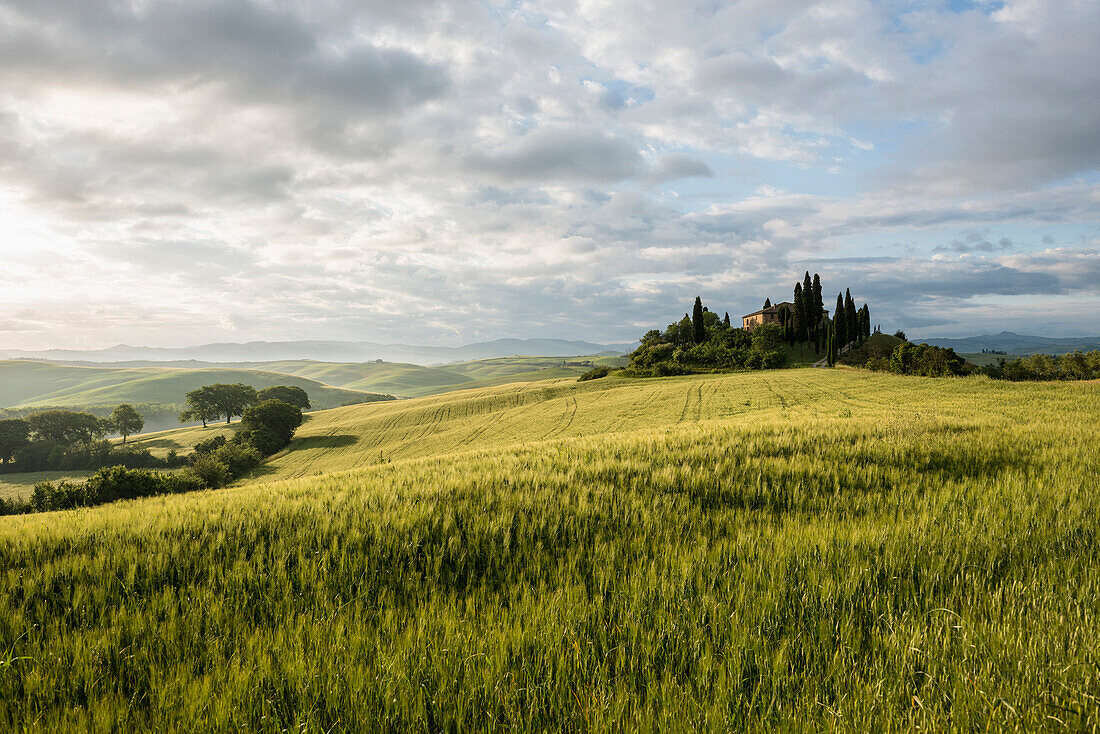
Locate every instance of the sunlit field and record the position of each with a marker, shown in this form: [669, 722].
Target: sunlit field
[802, 549]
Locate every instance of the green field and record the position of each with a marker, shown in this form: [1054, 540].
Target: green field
[798, 549]
[26, 383]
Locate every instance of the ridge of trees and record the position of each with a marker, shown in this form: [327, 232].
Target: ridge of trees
[703, 341]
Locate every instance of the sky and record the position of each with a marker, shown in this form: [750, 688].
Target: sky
[174, 172]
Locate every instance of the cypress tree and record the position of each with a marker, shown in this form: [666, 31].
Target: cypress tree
[799, 326]
[866, 321]
[830, 337]
[839, 322]
[819, 305]
[851, 326]
[726, 320]
[808, 306]
[767, 303]
[699, 330]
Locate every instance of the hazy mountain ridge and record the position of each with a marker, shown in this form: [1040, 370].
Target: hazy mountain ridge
[1013, 343]
[326, 351]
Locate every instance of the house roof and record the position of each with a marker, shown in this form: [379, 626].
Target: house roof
[770, 309]
[775, 309]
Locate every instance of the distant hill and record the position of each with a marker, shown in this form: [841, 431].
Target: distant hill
[1013, 343]
[160, 391]
[328, 351]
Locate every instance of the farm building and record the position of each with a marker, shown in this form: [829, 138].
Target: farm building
[770, 314]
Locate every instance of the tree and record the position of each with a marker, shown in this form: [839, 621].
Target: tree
[808, 306]
[126, 421]
[851, 327]
[698, 328]
[819, 304]
[295, 396]
[685, 332]
[200, 406]
[767, 303]
[269, 426]
[64, 427]
[799, 326]
[839, 323]
[866, 321]
[14, 435]
[212, 401]
[726, 321]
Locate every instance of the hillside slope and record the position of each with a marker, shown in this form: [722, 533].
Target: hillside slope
[31, 383]
[514, 414]
[788, 551]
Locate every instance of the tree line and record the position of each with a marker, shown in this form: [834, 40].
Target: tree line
[703, 340]
[69, 439]
[267, 426]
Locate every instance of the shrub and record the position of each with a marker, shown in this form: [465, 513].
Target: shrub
[211, 472]
[210, 445]
[269, 426]
[238, 458]
[595, 373]
[926, 360]
[109, 485]
[64, 495]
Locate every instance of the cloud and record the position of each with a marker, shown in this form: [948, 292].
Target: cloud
[192, 170]
[679, 165]
[569, 153]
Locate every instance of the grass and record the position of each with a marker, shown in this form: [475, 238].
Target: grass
[180, 440]
[804, 550]
[20, 485]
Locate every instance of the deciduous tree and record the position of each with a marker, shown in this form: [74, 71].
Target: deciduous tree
[65, 428]
[295, 396]
[126, 421]
[14, 435]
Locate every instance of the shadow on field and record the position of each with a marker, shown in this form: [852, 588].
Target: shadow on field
[336, 441]
[317, 443]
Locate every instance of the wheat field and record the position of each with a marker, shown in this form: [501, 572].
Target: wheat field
[798, 550]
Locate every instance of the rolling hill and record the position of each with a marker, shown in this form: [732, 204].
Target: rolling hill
[25, 383]
[788, 550]
[1016, 344]
[391, 378]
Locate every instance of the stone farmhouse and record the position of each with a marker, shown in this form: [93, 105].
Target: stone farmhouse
[770, 314]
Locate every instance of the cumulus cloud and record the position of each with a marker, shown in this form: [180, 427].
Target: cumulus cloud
[187, 170]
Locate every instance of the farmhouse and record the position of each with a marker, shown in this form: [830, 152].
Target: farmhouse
[770, 314]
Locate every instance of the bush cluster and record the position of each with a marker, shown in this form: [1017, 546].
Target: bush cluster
[1070, 366]
[265, 429]
[921, 359]
[109, 485]
[725, 348]
[595, 373]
